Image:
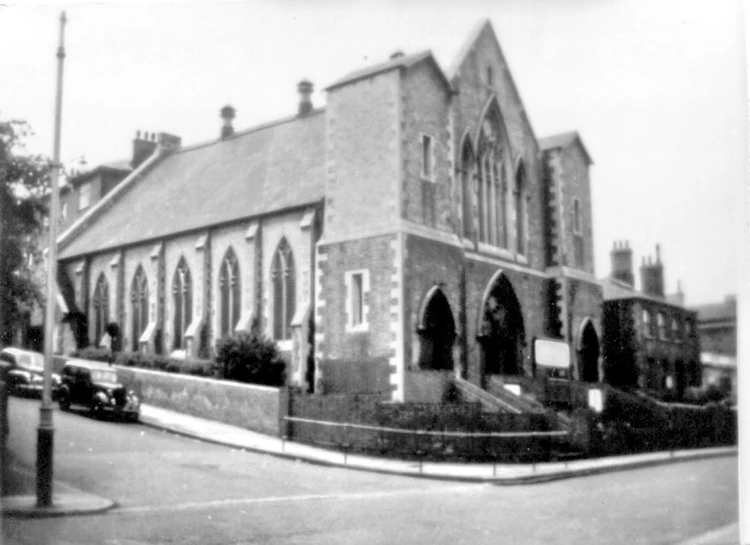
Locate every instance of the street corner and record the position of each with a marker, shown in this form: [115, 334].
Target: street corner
[63, 505]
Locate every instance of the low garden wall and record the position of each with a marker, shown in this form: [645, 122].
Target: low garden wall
[248, 406]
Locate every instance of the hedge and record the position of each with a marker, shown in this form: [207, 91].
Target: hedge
[200, 368]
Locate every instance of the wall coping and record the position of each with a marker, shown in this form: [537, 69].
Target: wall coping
[241, 385]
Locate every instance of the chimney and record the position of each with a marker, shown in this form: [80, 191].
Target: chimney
[652, 276]
[168, 142]
[305, 89]
[143, 148]
[227, 114]
[396, 54]
[622, 263]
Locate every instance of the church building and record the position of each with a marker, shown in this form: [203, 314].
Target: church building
[413, 230]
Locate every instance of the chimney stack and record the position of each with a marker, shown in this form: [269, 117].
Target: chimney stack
[143, 148]
[622, 263]
[652, 276]
[227, 114]
[305, 89]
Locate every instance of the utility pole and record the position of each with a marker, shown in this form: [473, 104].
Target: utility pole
[46, 430]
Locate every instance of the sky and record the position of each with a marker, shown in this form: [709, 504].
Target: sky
[657, 90]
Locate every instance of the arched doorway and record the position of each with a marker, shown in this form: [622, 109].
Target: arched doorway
[501, 331]
[437, 331]
[588, 354]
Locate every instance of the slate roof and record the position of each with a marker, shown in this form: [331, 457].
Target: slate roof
[613, 290]
[403, 61]
[718, 312]
[121, 165]
[563, 140]
[269, 168]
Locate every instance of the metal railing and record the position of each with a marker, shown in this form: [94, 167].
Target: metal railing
[511, 446]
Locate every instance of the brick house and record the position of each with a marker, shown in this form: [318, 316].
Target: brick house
[651, 341]
[413, 229]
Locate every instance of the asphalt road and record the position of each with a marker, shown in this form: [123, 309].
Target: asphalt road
[170, 489]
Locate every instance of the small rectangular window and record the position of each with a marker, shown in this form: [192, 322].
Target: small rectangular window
[427, 165]
[662, 325]
[84, 196]
[357, 286]
[647, 323]
[489, 76]
[357, 299]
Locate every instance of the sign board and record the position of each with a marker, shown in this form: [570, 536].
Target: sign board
[552, 353]
[596, 400]
[514, 388]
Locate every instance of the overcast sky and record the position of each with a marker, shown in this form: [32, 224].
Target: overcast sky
[657, 90]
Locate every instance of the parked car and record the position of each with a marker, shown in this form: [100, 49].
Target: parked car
[25, 371]
[95, 385]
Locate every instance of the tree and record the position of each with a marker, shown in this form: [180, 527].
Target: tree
[24, 183]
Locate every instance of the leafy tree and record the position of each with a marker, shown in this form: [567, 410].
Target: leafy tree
[24, 182]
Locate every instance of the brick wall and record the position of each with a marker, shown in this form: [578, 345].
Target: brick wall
[363, 169]
[531, 292]
[576, 186]
[474, 93]
[426, 111]
[355, 361]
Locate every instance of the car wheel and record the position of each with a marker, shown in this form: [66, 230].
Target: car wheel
[64, 401]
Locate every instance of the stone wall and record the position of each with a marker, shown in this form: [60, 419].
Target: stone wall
[247, 406]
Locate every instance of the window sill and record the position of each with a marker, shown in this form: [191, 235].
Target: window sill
[494, 250]
[360, 328]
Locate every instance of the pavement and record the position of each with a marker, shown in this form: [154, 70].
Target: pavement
[70, 501]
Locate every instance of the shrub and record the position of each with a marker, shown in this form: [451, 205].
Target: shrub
[251, 358]
[93, 353]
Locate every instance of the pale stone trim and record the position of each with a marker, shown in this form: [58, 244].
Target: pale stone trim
[397, 344]
[252, 231]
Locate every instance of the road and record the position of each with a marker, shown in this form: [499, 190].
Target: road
[171, 489]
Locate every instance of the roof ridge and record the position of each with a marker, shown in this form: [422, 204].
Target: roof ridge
[251, 130]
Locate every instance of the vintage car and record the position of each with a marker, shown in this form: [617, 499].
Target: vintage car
[25, 371]
[96, 386]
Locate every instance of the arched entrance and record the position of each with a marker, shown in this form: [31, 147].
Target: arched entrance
[588, 354]
[501, 331]
[437, 331]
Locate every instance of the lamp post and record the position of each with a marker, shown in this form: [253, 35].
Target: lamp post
[46, 430]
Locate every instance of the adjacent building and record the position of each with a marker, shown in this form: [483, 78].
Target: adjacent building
[717, 329]
[413, 228]
[650, 340]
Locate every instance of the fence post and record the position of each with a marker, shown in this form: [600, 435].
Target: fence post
[285, 409]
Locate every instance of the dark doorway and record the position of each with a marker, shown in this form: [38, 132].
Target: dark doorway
[501, 333]
[437, 332]
[588, 354]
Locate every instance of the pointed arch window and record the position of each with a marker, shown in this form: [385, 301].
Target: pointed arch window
[519, 208]
[229, 286]
[468, 173]
[182, 294]
[139, 301]
[492, 182]
[101, 307]
[283, 279]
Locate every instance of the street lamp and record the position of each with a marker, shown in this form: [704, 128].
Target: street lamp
[46, 430]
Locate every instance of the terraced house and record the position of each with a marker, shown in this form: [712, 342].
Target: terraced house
[413, 229]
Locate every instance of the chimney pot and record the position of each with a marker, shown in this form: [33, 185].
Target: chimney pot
[227, 114]
[396, 54]
[305, 89]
